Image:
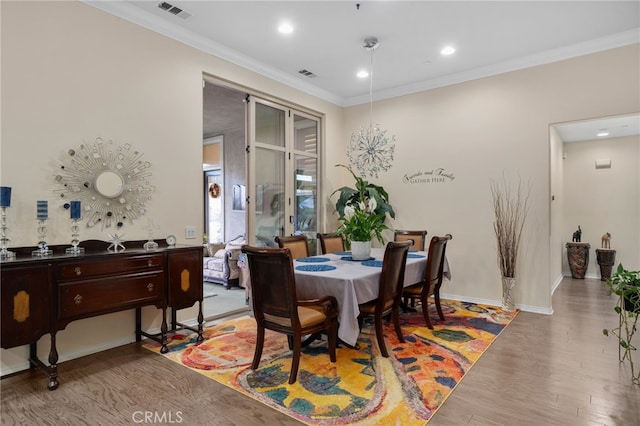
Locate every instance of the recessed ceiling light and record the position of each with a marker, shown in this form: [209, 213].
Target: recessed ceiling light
[363, 74]
[448, 50]
[285, 28]
[602, 133]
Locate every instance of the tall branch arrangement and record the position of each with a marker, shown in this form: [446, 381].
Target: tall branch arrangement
[510, 206]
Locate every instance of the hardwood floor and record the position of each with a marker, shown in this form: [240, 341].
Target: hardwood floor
[543, 370]
[551, 369]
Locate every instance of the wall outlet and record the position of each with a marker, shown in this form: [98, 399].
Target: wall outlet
[189, 232]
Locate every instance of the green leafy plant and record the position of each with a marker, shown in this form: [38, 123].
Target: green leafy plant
[361, 223]
[626, 284]
[362, 210]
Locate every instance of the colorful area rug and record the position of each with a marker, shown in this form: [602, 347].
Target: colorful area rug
[362, 387]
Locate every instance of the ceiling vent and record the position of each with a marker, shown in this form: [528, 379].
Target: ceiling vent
[307, 73]
[174, 10]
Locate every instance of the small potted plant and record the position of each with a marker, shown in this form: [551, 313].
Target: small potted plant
[626, 284]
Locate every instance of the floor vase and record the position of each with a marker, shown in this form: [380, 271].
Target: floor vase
[578, 259]
[360, 250]
[508, 283]
[606, 258]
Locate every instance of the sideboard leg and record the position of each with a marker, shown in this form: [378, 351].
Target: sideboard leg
[53, 364]
[163, 329]
[138, 324]
[174, 319]
[200, 321]
[33, 356]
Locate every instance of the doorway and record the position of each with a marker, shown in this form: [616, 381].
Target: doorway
[224, 125]
[595, 184]
[268, 174]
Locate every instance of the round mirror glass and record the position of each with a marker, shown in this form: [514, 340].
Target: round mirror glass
[109, 184]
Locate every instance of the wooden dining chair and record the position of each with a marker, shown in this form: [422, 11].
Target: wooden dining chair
[331, 243]
[418, 237]
[389, 292]
[276, 306]
[432, 278]
[296, 243]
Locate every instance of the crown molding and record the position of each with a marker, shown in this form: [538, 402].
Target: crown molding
[597, 45]
[139, 17]
[154, 23]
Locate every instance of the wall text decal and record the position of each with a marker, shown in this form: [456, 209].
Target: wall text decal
[438, 175]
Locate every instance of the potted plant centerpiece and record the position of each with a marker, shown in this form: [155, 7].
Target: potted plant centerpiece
[363, 211]
[626, 284]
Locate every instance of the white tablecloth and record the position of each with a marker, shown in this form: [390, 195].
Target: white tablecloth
[352, 283]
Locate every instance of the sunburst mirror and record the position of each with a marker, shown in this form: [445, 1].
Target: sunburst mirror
[111, 181]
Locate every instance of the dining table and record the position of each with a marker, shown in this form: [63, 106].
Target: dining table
[351, 282]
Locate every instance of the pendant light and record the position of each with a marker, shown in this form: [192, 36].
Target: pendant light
[370, 150]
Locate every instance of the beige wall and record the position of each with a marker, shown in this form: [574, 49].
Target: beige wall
[477, 130]
[72, 73]
[556, 236]
[604, 200]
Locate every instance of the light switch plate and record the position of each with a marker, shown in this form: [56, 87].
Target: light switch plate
[189, 232]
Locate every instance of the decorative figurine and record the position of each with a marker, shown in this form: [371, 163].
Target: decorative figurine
[116, 243]
[577, 236]
[606, 241]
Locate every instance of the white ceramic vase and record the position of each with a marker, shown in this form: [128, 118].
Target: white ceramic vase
[360, 250]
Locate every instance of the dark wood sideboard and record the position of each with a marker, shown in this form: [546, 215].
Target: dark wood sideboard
[42, 295]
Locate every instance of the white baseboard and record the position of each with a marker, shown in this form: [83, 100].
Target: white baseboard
[88, 350]
[556, 283]
[590, 276]
[525, 308]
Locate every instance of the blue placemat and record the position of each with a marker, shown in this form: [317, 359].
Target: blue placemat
[351, 259]
[313, 259]
[315, 268]
[415, 256]
[342, 253]
[375, 263]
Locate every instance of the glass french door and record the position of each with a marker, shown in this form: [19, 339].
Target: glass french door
[282, 173]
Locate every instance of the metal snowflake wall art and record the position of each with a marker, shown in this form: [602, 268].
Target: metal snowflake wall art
[112, 181]
[370, 151]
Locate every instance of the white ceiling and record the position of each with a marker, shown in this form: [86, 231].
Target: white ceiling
[491, 37]
[587, 130]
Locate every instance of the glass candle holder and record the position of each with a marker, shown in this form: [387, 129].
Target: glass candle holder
[75, 250]
[150, 244]
[4, 239]
[43, 248]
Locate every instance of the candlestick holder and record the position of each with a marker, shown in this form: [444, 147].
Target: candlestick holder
[4, 239]
[150, 244]
[43, 248]
[74, 250]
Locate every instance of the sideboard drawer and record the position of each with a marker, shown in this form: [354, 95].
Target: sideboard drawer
[84, 269]
[100, 296]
